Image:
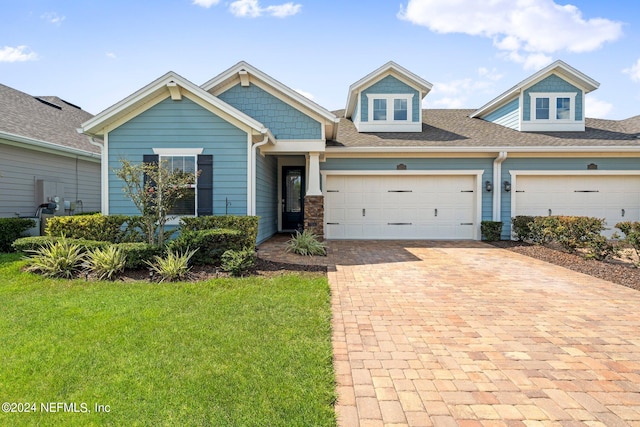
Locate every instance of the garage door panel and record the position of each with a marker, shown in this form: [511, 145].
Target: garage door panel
[595, 196]
[402, 207]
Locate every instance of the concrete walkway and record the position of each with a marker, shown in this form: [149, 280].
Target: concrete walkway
[465, 334]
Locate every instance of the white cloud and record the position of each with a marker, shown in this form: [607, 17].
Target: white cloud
[111, 55]
[526, 31]
[205, 3]
[449, 102]
[305, 94]
[492, 74]
[633, 71]
[53, 18]
[17, 54]
[252, 9]
[597, 108]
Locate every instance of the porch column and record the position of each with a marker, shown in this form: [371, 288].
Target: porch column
[314, 200]
[313, 181]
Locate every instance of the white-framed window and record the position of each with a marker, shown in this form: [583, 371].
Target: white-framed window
[390, 108]
[553, 107]
[183, 161]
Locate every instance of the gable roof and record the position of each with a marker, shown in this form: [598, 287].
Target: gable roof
[454, 130]
[170, 84]
[244, 72]
[560, 68]
[45, 121]
[390, 68]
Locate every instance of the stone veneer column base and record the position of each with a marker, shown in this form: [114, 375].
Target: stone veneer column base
[314, 215]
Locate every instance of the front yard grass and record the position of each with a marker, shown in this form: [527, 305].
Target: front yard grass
[225, 352]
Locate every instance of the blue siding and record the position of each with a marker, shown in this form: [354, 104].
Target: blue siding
[507, 115]
[183, 124]
[284, 121]
[422, 164]
[390, 85]
[552, 83]
[267, 196]
[561, 164]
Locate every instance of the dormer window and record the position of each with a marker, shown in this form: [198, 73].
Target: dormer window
[552, 107]
[392, 108]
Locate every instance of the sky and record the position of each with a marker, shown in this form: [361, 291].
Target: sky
[94, 53]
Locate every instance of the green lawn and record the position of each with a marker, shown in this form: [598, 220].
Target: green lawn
[225, 352]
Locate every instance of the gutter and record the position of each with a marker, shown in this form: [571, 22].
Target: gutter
[497, 188]
[49, 146]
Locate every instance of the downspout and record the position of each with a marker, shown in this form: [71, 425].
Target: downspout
[104, 174]
[254, 171]
[497, 188]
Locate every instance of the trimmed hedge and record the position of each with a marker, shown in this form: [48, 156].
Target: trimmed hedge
[491, 230]
[11, 229]
[248, 226]
[522, 227]
[211, 244]
[108, 228]
[136, 252]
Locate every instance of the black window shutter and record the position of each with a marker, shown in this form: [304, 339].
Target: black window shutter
[205, 185]
[152, 159]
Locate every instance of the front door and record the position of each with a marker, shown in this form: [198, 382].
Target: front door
[293, 187]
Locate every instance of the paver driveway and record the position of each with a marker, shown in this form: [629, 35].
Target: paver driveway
[461, 333]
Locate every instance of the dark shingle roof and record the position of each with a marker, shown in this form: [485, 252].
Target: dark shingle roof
[43, 118]
[454, 128]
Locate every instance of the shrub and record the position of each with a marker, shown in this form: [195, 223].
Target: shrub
[247, 225]
[631, 231]
[106, 263]
[238, 262]
[57, 259]
[491, 230]
[306, 243]
[108, 228]
[137, 253]
[522, 227]
[11, 229]
[571, 232]
[211, 243]
[34, 243]
[173, 267]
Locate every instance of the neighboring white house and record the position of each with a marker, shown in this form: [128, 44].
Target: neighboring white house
[43, 158]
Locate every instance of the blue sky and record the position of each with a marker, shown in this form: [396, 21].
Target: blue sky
[94, 53]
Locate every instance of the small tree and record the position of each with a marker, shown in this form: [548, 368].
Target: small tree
[155, 190]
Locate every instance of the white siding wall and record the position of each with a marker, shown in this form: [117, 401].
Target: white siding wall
[20, 168]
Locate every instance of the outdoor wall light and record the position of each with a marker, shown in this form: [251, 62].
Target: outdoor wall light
[488, 186]
[507, 186]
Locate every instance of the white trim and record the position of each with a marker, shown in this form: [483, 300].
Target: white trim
[496, 149]
[254, 72]
[251, 174]
[286, 161]
[461, 172]
[515, 173]
[586, 83]
[178, 151]
[497, 184]
[104, 172]
[390, 68]
[296, 146]
[49, 147]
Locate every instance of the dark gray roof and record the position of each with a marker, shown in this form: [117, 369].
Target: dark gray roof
[454, 128]
[43, 118]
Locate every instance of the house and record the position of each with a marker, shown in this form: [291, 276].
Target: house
[43, 158]
[384, 167]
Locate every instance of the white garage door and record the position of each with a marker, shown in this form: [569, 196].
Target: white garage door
[400, 207]
[614, 198]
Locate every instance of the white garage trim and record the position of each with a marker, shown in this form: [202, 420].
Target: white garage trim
[477, 174]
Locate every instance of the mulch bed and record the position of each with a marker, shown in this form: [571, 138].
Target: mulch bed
[616, 270]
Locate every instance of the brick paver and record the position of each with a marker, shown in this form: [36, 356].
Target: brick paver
[462, 333]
